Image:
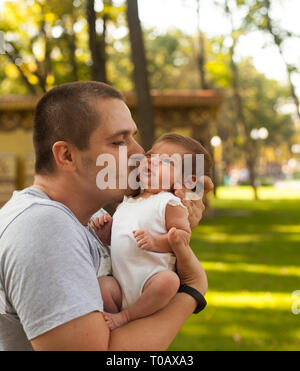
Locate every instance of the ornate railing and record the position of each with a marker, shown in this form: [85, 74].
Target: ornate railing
[191, 112]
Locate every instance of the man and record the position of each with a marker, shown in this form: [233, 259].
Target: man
[49, 293]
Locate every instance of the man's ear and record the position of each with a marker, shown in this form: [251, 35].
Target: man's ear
[63, 153]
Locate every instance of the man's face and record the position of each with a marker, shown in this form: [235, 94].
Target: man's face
[116, 129]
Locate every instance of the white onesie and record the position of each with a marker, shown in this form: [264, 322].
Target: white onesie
[132, 266]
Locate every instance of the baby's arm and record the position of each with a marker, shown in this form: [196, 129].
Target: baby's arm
[176, 216]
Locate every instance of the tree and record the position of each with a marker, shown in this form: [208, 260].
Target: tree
[41, 44]
[201, 58]
[250, 149]
[145, 114]
[262, 102]
[97, 44]
[259, 16]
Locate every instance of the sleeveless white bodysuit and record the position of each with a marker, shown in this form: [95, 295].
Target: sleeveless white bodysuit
[132, 266]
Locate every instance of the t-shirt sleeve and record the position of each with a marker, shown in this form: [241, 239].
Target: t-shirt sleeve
[50, 274]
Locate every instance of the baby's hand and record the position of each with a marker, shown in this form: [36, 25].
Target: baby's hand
[102, 227]
[144, 240]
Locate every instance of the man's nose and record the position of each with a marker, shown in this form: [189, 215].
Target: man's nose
[136, 148]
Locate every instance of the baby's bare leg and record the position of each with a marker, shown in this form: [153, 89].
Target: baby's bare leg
[157, 293]
[111, 294]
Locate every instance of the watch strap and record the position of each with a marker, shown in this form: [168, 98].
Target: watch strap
[196, 295]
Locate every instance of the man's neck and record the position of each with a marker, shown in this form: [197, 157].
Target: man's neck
[64, 191]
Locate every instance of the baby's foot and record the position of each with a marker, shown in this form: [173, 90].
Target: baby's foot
[115, 320]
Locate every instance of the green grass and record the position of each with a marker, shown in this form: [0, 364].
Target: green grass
[251, 253]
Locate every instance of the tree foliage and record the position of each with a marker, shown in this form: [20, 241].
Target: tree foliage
[49, 43]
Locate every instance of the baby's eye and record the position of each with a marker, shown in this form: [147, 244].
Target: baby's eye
[166, 160]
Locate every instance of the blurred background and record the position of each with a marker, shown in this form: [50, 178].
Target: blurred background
[226, 72]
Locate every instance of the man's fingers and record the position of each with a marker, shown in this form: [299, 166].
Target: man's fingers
[180, 193]
[208, 184]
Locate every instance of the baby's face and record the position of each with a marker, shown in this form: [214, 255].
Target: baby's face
[163, 167]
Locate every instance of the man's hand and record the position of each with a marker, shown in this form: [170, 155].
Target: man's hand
[195, 207]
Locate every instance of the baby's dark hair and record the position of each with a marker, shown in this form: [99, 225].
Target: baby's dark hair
[192, 146]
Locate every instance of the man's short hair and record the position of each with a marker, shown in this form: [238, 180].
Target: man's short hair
[67, 113]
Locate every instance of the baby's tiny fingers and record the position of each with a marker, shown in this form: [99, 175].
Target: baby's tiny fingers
[141, 242]
[101, 222]
[143, 246]
[107, 218]
[96, 223]
[140, 232]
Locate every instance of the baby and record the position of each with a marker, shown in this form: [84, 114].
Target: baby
[143, 264]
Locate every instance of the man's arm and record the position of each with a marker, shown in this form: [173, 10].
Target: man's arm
[155, 332]
[90, 332]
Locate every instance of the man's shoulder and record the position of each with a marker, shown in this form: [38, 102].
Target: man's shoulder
[41, 230]
[24, 212]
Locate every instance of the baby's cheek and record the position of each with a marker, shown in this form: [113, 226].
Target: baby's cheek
[177, 177]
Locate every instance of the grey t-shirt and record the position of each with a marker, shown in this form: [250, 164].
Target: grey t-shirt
[48, 268]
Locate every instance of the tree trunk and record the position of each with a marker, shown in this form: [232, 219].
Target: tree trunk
[251, 165]
[201, 51]
[249, 145]
[145, 113]
[96, 45]
[71, 39]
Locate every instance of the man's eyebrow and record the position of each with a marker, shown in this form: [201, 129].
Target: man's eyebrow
[122, 132]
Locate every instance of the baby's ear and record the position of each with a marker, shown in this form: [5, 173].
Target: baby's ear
[190, 181]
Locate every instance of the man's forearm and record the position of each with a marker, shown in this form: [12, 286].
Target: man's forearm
[157, 331]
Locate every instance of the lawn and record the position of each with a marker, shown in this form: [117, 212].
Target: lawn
[251, 253]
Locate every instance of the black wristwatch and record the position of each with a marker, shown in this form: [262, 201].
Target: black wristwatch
[196, 295]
